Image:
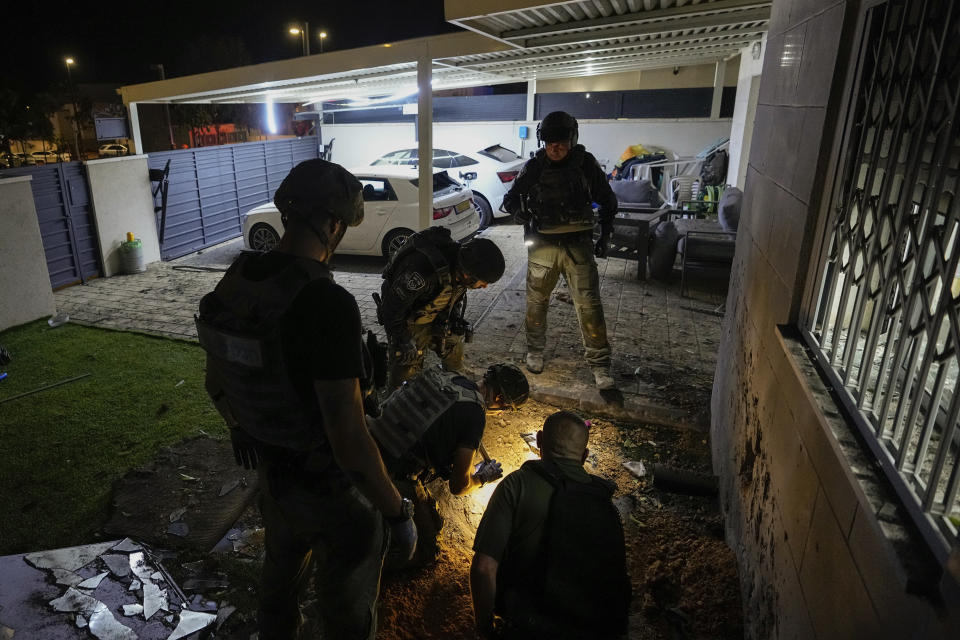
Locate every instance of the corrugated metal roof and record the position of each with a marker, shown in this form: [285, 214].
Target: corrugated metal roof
[521, 40]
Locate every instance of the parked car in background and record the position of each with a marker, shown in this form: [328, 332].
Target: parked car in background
[49, 157]
[487, 172]
[391, 213]
[112, 150]
[17, 159]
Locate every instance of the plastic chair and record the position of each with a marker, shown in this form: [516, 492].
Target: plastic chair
[682, 189]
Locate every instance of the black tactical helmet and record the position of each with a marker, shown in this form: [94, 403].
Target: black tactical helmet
[482, 259]
[558, 126]
[319, 187]
[509, 381]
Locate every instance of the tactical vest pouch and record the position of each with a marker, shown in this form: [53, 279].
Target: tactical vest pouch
[414, 407]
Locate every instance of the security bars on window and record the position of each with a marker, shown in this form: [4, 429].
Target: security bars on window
[886, 322]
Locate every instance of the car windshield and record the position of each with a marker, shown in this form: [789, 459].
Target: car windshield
[500, 153]
[441, 181]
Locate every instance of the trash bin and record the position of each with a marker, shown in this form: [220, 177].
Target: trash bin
[131, 257]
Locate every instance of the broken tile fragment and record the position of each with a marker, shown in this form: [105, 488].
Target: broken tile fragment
[168, 619]
[101, 622]
[223, 613]
[177, 514]
[94, 582]
[228, 487]
[134, 585]
[119, 564]
[66, 578]
[635, 467]
[156, 576]
[127, 546]
[81, 622]
[71, 559]
[191, 621]
[154, 599]
[132, 609]
[178, 529]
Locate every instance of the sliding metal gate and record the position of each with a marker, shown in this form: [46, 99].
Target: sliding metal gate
[61, 196]
[211, 188]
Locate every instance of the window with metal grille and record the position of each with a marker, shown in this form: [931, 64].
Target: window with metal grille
[886, 318]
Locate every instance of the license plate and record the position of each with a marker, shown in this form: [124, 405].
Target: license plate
[463, 206]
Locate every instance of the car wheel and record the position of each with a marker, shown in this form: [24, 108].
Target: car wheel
[393, 241]
[263, 237]
[484, 211]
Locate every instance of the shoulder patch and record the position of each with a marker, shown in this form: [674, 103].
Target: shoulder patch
[413, 281]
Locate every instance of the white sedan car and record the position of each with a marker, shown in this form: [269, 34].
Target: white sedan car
[488, 172]
[50, 157]
[391, 213]
[112, 150]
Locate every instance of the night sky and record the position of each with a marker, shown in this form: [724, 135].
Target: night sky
[117, 43]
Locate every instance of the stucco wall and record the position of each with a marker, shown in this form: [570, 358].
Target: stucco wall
[359, 144]
[120, 189]
[25, 292]
[700, 75]
[815, 560]
[744, 113]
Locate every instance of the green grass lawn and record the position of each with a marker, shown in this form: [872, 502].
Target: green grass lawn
[62, 448]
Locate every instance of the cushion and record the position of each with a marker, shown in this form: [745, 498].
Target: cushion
[728, 211]
[663, 250]
[636, 192]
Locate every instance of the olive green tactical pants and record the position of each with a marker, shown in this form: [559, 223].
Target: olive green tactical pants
[573, 258]
[427, 338]
[338, 533]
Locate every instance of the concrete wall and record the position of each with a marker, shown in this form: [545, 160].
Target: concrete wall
[359, 144]
[25, 292]
[120, 189]
[815, 560]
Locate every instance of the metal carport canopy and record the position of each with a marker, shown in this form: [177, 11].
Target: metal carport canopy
[505, 41]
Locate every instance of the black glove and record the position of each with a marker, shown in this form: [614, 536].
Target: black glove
[488, 471]
[403, 538]
[600, 248]
[244, 448]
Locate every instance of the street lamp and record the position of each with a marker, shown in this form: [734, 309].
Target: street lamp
[323, 34]
[68, 62]
[304, 33]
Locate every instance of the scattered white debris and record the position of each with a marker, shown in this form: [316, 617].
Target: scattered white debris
[134, 585]
[132, 609]
[94, 582]
[191, 621]
[636, 467]
[176, 514]
[70, 559]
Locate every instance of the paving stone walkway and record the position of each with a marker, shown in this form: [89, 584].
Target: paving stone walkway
[650, 327]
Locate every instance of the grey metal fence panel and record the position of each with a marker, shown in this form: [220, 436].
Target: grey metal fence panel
[211, 188]
[61, 196]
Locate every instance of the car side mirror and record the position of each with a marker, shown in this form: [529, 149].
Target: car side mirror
[470, 175]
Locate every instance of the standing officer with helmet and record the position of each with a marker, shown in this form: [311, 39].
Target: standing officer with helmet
[284, 365]
[424, 298]
[552, 196]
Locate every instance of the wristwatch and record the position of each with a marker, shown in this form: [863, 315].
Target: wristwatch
[406, 512]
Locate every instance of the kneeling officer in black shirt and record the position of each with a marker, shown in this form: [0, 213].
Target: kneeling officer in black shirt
[284, 361]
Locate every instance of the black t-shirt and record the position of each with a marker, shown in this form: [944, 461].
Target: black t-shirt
[321, 332]
[460, 426]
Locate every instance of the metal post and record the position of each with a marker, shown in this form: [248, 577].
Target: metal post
[166, 105]
[305, 34]
[425, 135]
[73, 100]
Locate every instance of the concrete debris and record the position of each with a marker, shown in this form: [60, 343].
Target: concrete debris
[531, 441]
[134, 585]
[636, 467]
[191, 621]
[94, 582]
[156, 576]
[81, 622]
[71, 558]
[118, 564]
[178, 529]
[168, 619]
[139, 566]
[224, 612]
[177, 514]
[132, 609]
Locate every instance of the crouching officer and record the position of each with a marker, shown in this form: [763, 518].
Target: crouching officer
[552, 196]
[424, 298]
[284, 360]
[432, 427]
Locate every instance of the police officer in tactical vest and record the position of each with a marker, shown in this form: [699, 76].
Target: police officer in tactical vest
[284, 369]
[432, 426]
[553, 197]
[424, 298]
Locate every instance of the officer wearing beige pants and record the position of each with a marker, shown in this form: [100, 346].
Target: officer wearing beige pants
[553, 198]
